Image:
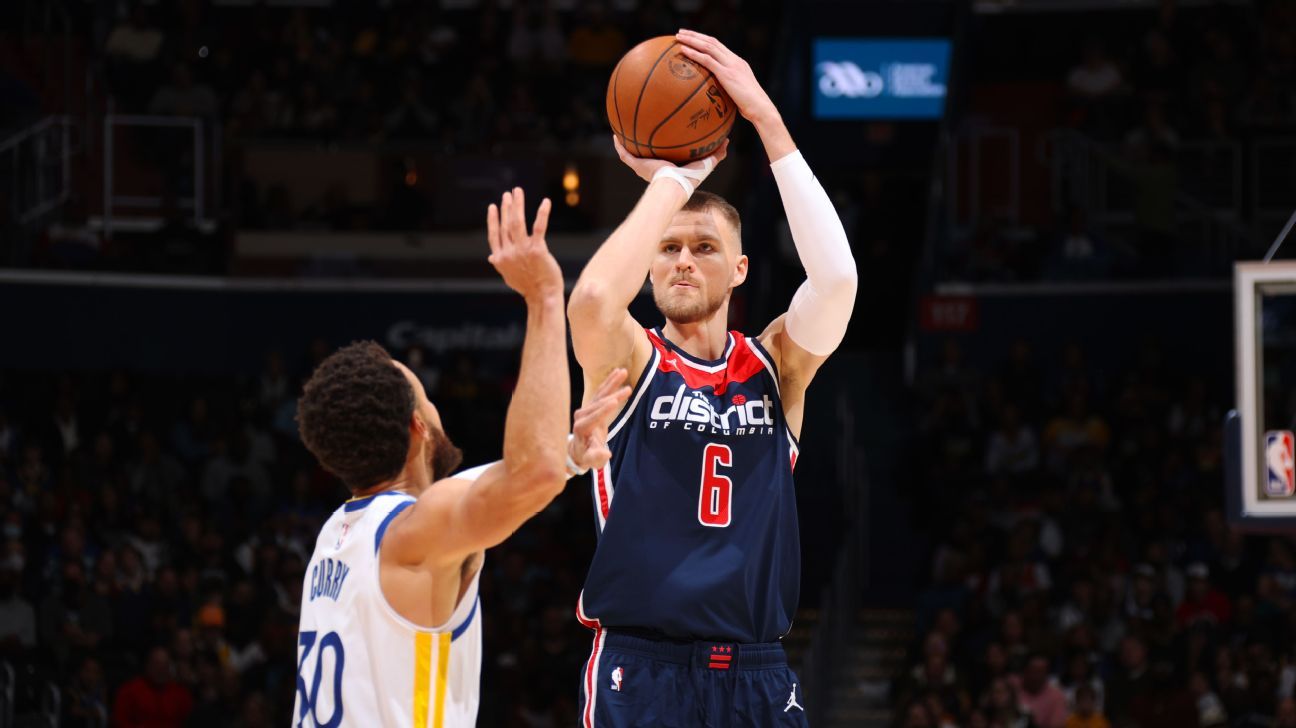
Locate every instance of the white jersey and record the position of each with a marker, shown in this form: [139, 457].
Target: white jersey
[359, 663]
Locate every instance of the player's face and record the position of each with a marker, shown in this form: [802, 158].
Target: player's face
[441, 456]
[699, 260]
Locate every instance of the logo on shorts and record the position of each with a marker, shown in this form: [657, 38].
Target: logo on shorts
[617, 674]
[682, 67]
[792, 703]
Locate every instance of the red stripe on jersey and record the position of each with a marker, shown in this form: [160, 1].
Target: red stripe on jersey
[580, 614]
[591, 672]
[601, 478]
[794, 458]
[741, 366]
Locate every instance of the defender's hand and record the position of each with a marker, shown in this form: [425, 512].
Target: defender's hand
[644, 167]
[589, 448]
[733, 73]
[522, 259]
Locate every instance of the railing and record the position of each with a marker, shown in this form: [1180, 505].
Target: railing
[195, 202]
[6, 695]
[1273, 182]
[841, 597]
[968, 158]
[39, 159]
[51, 705]
[1097, 179]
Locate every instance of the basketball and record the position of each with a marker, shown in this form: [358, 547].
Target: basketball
[665, 106]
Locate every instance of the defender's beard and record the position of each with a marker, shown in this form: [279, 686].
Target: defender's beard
[443, 458]
[687, 311]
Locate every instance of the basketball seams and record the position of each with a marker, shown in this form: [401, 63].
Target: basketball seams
[640, 66]
[722, 130]
[644, 87]
[616, 102]
[709, 77]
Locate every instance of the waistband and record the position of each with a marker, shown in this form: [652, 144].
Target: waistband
[711, 655]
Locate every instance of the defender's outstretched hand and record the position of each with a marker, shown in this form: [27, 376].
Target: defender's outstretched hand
[733, 73]
[589, 448]
[521, 258]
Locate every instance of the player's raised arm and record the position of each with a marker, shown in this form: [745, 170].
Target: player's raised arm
[821, 309]
[604, 334]
[456, 517]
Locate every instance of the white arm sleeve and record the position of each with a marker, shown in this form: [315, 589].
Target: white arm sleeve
[822, 306]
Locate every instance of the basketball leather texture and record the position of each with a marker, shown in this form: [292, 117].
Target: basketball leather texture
[665, 106]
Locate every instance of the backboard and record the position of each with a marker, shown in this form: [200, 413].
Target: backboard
[1259, 440]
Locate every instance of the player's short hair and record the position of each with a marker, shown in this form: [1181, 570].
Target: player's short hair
[703, 201]
[354, 415]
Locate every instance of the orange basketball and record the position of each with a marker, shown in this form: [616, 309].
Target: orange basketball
[663, 105]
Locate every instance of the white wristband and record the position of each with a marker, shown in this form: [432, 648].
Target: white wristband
[689, 176]
[573, 470]
[673, 173]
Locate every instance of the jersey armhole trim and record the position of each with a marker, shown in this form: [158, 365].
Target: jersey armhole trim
[386, 521]
[458, 631]
[768, 361]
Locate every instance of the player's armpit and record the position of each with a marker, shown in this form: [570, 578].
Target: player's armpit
[796, 367]
[603, 343]
[456, 517]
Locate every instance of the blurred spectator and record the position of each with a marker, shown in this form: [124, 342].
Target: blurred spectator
[1039, 694]
[1086, 713]
[75, 618]
[595, 42]
[17, 618]
[1071, 433]
[535, 40]
[1013, 449]
[85, 703]
[1202, 602]
[1002, 708]
[153, 699]
[1210, 709]
[411, 118]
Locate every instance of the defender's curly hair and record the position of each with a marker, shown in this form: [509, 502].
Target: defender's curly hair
[354, 415]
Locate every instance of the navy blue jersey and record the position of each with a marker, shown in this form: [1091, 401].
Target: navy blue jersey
[696, 511]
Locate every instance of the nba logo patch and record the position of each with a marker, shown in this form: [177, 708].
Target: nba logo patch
[1280, 464]
[342, 536]
[617, 674]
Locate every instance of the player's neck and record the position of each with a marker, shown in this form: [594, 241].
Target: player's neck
[704, 339]
[413, 479]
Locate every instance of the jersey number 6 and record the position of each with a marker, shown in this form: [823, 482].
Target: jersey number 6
[713, 499]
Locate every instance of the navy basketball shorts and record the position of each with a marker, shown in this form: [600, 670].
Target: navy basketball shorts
[633, 681]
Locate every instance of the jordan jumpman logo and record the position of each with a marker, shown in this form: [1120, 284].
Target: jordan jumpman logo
[792, 701]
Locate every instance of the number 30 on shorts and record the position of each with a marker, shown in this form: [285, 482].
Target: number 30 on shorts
[717, 490]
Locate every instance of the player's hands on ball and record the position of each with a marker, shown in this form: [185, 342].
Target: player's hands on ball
[733, 73]
[589, 448]
[646, 168]
[522, 258]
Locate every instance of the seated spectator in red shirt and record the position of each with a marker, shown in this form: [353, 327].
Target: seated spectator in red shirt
[154, 699]
[1040, 695]
[1202, 603]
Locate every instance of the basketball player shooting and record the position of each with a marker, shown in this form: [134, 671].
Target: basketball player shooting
[390, 632]
[696, 574]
